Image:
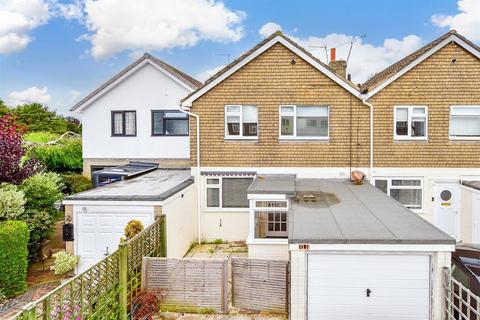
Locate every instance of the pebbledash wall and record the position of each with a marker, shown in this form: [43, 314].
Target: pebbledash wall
[142, 91]
[270, 80]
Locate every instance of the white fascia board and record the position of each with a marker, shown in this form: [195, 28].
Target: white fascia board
[266, 196]
[423, 57]
[376, 247]
[111, 203]
[125, 76]
[256, 53]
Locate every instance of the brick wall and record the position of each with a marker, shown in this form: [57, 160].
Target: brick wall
[437, 83]
[269, 81]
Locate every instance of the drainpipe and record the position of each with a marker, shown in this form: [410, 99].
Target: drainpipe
[197, 178]
[364, 101]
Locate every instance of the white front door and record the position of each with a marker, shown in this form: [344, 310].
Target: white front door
[447, 196]
[368, 287]
[98, 232]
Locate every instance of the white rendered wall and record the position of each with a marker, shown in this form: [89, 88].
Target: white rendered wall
[144, 90]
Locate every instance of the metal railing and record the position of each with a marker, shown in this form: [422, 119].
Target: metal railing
[460, 302]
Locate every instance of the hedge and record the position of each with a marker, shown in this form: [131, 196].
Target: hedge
[13, 257]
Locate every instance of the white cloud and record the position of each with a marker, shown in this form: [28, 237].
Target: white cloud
[365, 59]
[204, 75]
[17, 19]
[70, 11]
[30, 95]
[467, 21]
[269, 28]
[117, 25]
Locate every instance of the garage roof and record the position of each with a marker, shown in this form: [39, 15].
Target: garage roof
[157, 185]
[346, 213]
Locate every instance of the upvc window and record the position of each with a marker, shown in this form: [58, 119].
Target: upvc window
[465, 122]
[241, 121]
[407, 191]
[227, 192]
[410, 123]
[124, 123]
[169, 123]
[271, 219]
[304, 122]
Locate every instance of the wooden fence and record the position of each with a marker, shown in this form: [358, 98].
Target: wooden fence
[195, 285]
[460, 302]
[105, 290]
[260, 285]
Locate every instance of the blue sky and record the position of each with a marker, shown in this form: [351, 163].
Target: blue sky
[55, 51]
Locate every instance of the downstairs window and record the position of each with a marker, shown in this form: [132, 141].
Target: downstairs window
[407, 191]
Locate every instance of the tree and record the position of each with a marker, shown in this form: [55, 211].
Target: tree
[4, 109]
[37, 117]
[13, 167]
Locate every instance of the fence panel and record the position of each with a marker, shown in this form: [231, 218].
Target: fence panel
[260, 285]
[197, 285]
[460, 302]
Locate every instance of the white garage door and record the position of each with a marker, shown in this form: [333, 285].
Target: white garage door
[368, 287]
[98, 231]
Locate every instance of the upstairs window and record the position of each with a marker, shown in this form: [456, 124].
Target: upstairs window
[169, 123]
[406, 191]
[410, 123]
[241, 121]
[227, 192]
[465, 122]
[304, 122]
[124, 123]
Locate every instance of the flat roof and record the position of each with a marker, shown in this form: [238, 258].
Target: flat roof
[157, 185]
[472, 184]
[347, 213]
[273, 184]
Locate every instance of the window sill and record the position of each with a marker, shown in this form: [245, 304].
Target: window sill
[396, 139]
[472, 139]
[241, 138]
[169, 135]
[304, 139]
[267, 241]
[242, 210]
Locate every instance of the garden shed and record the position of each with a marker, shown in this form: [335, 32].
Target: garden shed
[100, 215]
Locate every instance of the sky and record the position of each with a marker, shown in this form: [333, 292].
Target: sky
[56, 52]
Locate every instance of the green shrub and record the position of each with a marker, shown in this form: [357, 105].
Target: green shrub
[40, 137]
[133, 228]
[66, 155]
[12, 202]
[13, 257]
[75, 183]
[64, 262]
[41, 192]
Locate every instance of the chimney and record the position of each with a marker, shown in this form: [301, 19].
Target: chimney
[339, 66]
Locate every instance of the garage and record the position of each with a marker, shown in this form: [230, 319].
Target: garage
[99, 216]
[368, 286]
[356, 253]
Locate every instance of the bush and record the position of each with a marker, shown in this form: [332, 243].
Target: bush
[133, 228]
[13, 257]
[66, 155]
[40, 137]
[145, 306]
[41, 192]
[64, 262]
[12, 201]
[75, 183]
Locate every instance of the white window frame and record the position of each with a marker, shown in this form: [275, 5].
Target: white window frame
[256, 208]
[409, 123]
[294, 115]
[220, 193]
[239, 114]
[389, 187]
[452, 137]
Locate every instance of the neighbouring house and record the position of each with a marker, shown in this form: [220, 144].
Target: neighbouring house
[99, 215]
[135, 116]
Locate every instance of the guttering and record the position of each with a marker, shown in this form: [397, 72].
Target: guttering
[197, 178]
[364, 101]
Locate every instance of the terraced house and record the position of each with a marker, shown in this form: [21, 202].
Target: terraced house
[414, 129]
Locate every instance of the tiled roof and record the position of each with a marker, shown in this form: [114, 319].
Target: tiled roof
[182, 76]
[385, 74]
[259, 45]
